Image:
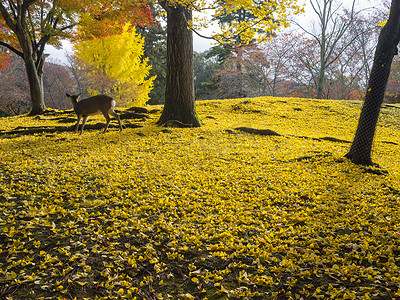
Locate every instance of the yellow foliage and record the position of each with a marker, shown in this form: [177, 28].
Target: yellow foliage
[269, 16]
[205, 212]
[382, 23]
[119, 57]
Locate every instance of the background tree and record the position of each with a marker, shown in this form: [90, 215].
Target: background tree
[393, 86]
[5, 58]
[57, 79]
[360, 151]
[118, 57]
[80, 75]
[14, 89]
[364, 32]
[232, 79]
[205, 72]
[263, 67]
[303, 66]
[155, 50]
[268, 64]
[351, 71]
[233, 44]
[32, 24]
[327, 31]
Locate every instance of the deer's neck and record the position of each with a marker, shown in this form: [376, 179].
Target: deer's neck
[74, 102]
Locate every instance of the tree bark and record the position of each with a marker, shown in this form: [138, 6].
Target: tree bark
[179, 91]
[35, 80]
[320, 84]
[322, 63]
[360, 150]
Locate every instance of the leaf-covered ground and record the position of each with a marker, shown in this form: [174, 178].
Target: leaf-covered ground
[205, 213]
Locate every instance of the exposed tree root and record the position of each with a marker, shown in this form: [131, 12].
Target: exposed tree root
[140, 110]
[333, 139]
[176, 124]
[258, 131]
[132, 115]
[274, 133]
[359, 161]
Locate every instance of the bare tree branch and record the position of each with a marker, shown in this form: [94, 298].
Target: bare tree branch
[9, 47]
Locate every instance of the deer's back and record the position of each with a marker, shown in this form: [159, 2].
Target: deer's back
[93, 105]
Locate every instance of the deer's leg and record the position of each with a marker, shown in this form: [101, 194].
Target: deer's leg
[108, 119]
[115, 115]
[83, 122]
[77, 123]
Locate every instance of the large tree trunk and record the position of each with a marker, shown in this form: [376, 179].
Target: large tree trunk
[179, 104]
[360, 151]
[35, 79]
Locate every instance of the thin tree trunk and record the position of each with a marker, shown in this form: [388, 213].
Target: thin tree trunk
[320, 84]
[179, 92]
[360, 151]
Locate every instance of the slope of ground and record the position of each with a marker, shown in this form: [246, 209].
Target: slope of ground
[203, 213]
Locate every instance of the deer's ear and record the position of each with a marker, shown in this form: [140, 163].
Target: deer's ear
[68, 95]
[78, 96]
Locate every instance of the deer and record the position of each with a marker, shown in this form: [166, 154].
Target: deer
[93, 105]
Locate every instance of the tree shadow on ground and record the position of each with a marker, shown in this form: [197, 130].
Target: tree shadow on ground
[137, 114]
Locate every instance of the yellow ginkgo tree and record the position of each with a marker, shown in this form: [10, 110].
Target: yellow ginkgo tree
[118, 57]
[179, 105]
[28, 26]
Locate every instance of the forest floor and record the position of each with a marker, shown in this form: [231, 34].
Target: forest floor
[201, 213]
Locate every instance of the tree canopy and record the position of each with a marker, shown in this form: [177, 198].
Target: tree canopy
[49, 21]
[247, 19]
[119, 57]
